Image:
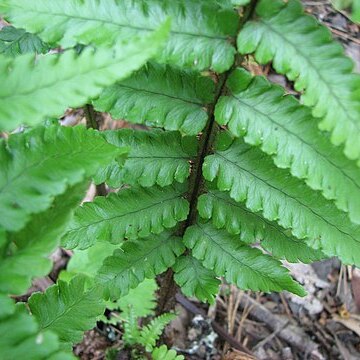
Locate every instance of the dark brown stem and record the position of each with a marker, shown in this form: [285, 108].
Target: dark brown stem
[92, 123]
[167, 292]
[90, 116]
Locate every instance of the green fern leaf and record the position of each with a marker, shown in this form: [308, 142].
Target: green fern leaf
[130, 213]
[137, 260]
[305, 52]
[3, 242]
[196, 280]
[252, 227]
[87, 262]
[151, 333]
[240, 264]
[163, 353]
[356, 11]
[251, 175]
[33, 87]
[240, 2]
[7, 306]
[199, 30]
[131, 329]
[33, 170]
[141, 299]
[67, 309]
[26, 254]
[20, 338]
[162, 96]
[155, 158]
[15, 41]
[286, 130]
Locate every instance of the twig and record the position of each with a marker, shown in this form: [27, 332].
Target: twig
[341, 33]
[270, 337]
[290, 333]
[286, 305]
[188, 305]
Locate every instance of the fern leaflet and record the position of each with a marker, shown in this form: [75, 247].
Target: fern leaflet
[155, 158]
[68, 309]
[130, 213]
[163, 353]
[137, 260]
[196, 280]
[240, 264]
[17, 41]
[162, 96]
[151, 333]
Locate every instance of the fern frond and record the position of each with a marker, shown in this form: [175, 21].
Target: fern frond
[33, 84]
[21, 338]
[305, 52]
[196, 280]
[286, 130]
[151, 333]
[240, 264]
[162, 96]
[141, 299]
[67, 309]
[137, 260]
[253, 227]
[155, 158]
[15, 41]
[163, 353]
[199, 30]
[131, 328]
[26, 253]
[250, 175]
[33, 170]
[130, 213]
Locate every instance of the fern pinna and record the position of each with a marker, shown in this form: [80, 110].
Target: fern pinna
[225, 160]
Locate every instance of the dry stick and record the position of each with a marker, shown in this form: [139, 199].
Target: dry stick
[271, 336]
[188, 305]
[290, 333]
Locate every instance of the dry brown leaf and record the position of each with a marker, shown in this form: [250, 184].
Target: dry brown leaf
[351, 323]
